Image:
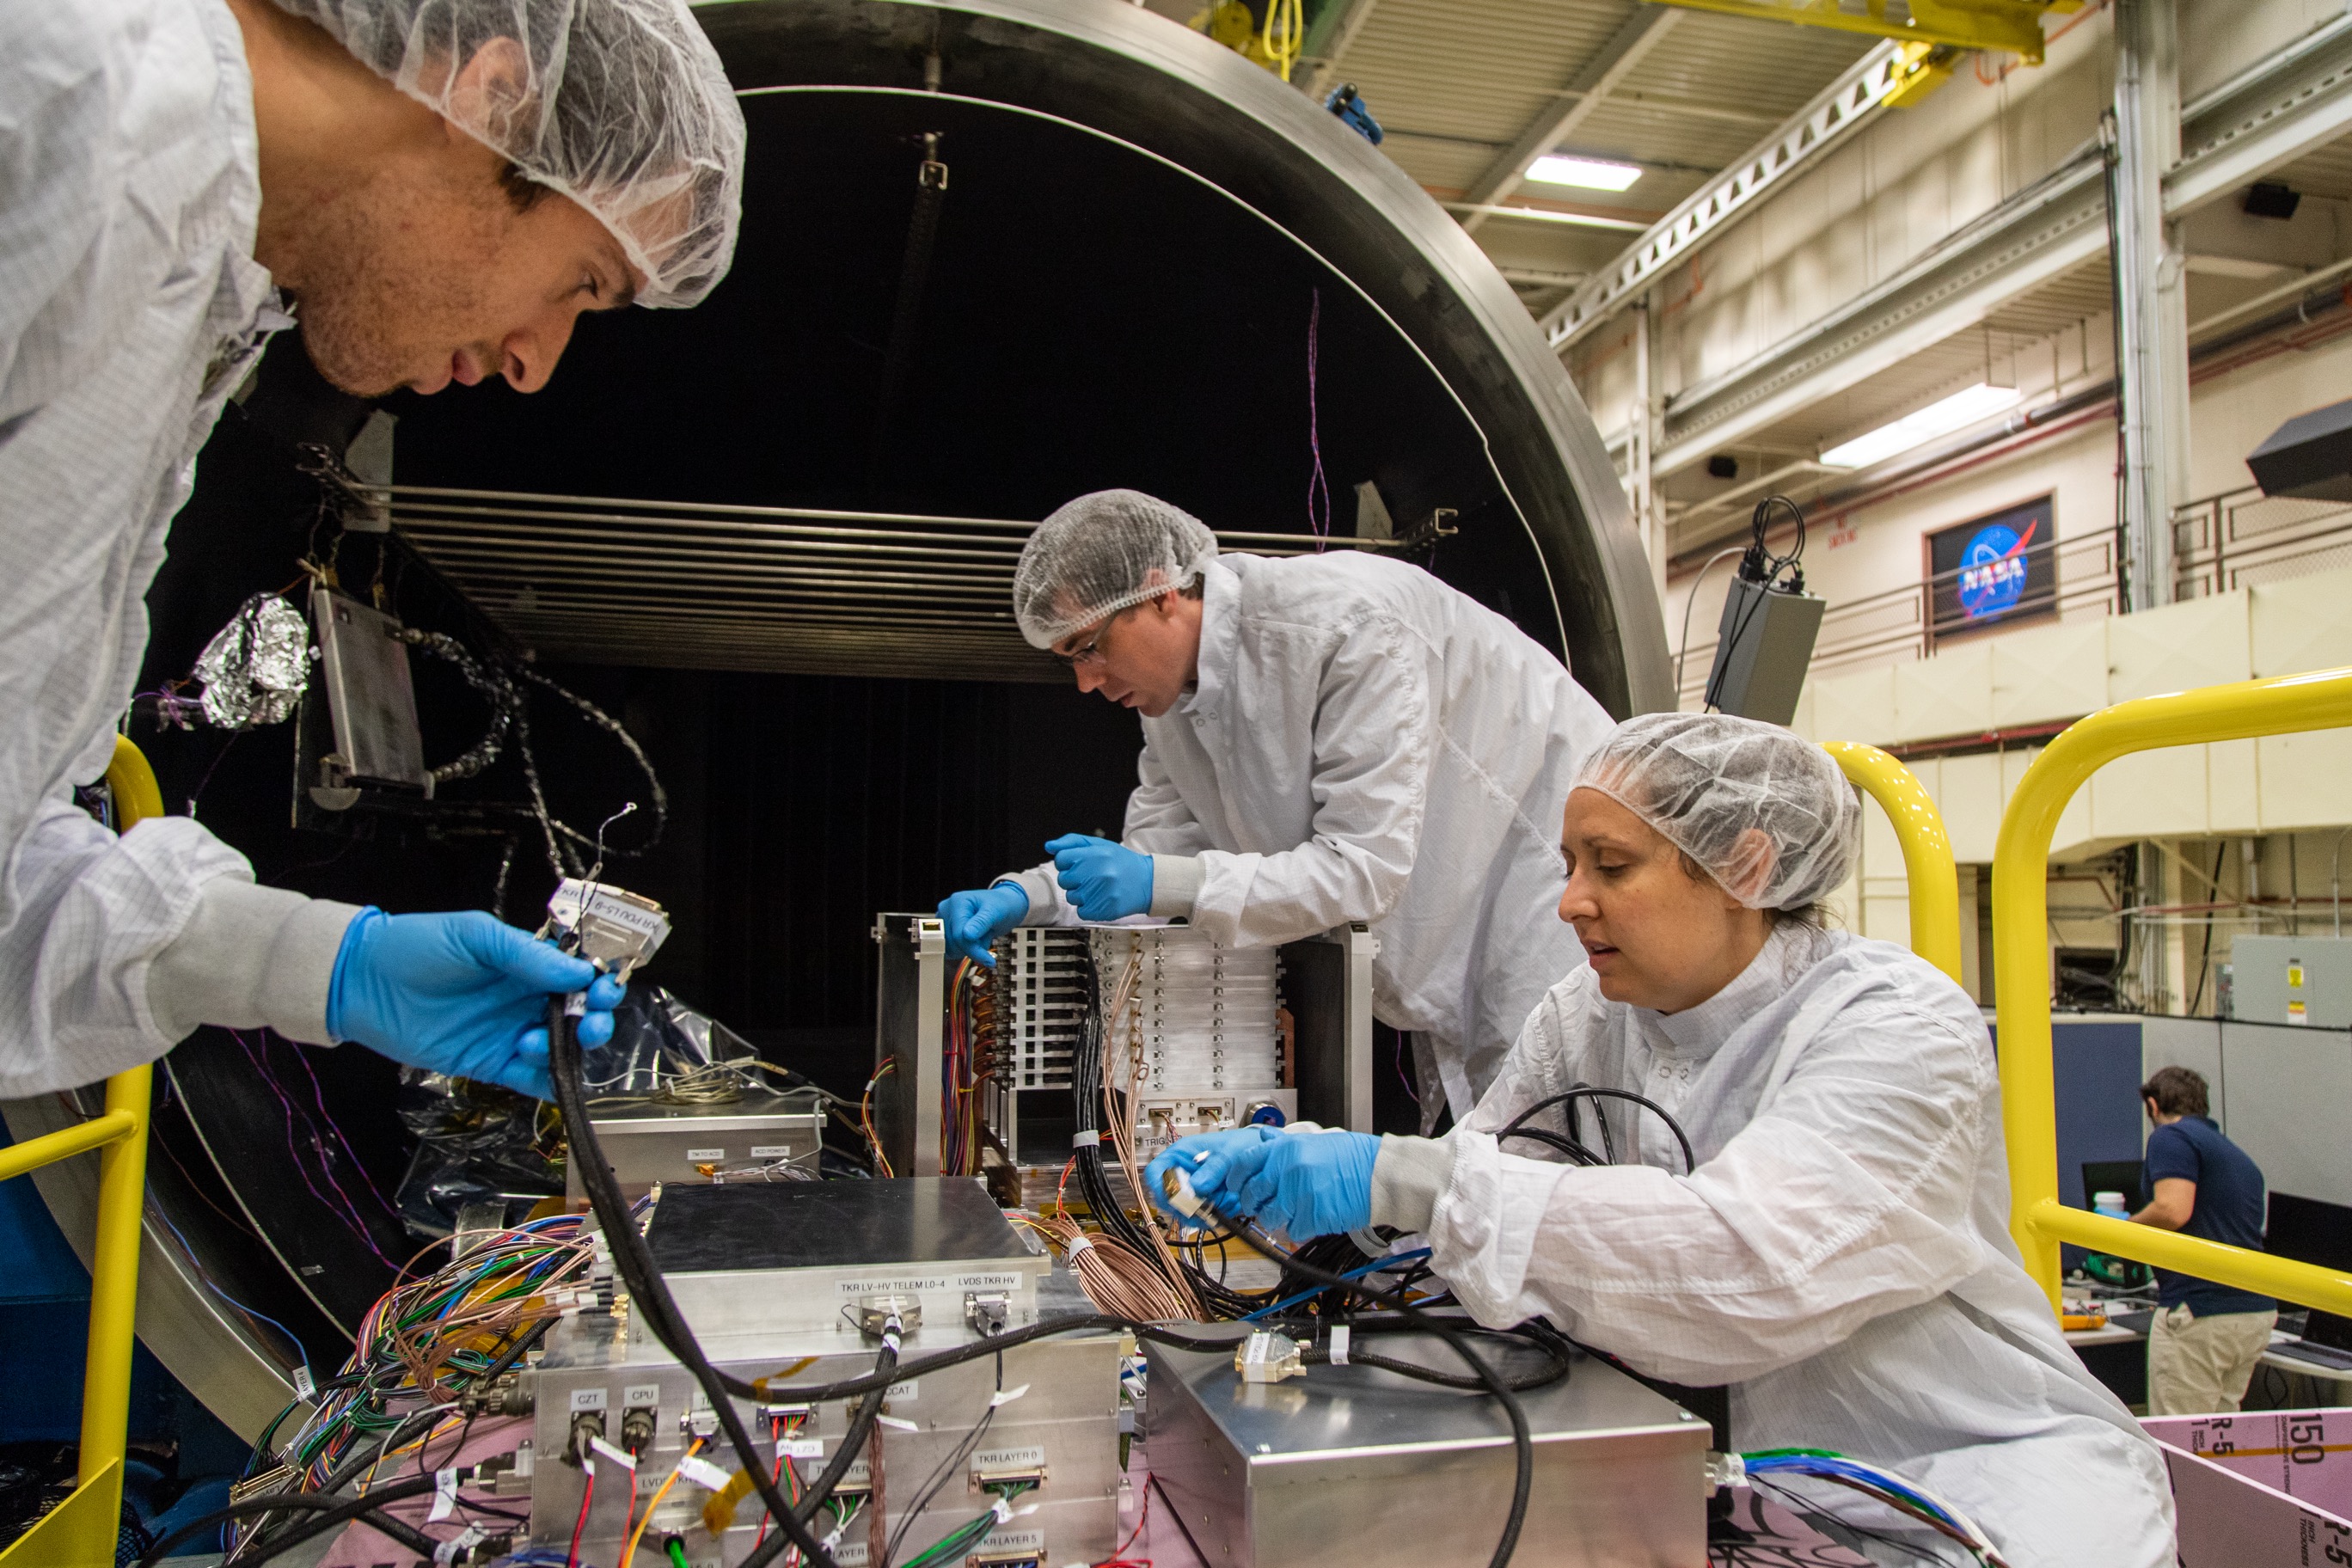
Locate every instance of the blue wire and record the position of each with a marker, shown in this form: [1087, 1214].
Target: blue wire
[1373, 1266]
[300, 1352]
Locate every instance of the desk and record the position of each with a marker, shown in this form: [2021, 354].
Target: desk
[2117, 1357]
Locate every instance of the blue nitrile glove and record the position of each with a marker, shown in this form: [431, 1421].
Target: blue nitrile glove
[460, 994]
[975, 918]
[1105, 881]
[1314, 1183]
[1217, 1164]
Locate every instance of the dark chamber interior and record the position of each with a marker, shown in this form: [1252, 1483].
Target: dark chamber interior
[1092, 318]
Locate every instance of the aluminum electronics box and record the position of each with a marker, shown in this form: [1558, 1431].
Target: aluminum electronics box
[763, 1136]
[771, 1278]
[1356, 1466]
[2302, 979]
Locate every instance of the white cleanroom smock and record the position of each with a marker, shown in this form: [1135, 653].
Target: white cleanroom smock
[1366, 743]
[1841, 1258]
[130, 307]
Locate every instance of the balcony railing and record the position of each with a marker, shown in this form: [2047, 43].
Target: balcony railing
[1907, 623]
[2234, 539]
[2244, 537]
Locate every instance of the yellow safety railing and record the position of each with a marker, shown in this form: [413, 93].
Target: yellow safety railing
[1935, 885]
[2020, 906]
[81, 1532]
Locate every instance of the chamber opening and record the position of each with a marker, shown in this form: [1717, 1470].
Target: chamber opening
[1133, 235]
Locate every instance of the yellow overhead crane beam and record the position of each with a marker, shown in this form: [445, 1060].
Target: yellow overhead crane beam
[2013, 26]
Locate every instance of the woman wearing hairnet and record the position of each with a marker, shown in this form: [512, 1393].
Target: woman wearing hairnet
[1327, 739]
[1838, 1249]
[439, 188]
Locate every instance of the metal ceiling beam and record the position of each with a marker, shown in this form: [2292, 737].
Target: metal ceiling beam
[1799, 140]
[1642, 32]
[1335, 32]
[2291, 102]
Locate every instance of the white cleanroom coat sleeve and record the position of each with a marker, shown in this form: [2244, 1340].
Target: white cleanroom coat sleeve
[115, 949]
[1375, 738]
[1847, 1197]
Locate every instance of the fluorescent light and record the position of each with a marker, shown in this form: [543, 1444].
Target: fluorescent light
[1954, 413]
[1589, 172]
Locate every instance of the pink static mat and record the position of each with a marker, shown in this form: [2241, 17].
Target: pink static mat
[2254, 1490]
[361, 1547]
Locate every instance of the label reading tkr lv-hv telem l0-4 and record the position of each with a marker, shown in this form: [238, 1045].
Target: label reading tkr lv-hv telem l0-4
[908, 1287]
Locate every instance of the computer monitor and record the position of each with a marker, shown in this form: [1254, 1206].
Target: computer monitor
[2114, 1176]
[2312, 1231]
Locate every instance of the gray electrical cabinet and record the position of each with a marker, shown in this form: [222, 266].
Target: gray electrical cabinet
[1763, 646]
[2292, 980]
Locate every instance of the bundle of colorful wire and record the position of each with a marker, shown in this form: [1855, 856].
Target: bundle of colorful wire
[1905, 1497]
[970, 1064]
[952, 1547]
[426, 1341]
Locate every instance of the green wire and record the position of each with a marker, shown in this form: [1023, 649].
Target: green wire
[676, 1550]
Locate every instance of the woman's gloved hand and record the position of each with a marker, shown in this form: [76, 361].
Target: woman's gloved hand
[976, 918]
[1103, 882]
[1313, 1184]
[1216, 1164]
[460, 994]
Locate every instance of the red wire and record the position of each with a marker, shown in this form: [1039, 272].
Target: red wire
[571, 1559]
[1119, 1559]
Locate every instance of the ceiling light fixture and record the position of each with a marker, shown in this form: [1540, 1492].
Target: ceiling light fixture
[1954, 413]
[1591, 173]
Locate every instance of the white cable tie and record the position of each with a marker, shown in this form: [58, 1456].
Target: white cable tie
[832, 1542]
[622, 1458]
[445, 1495]
[465, 1540]
[1341, 1334]
[1089, 1139]
[890, 1340]
[897, 1424]
[1006, 1395]
[588, 1465]
[1077, 1244]
[1003, 1511]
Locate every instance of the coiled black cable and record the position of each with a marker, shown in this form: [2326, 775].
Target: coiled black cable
[649, 1295]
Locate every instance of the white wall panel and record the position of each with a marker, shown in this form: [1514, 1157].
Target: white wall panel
[2302, 624]
[2232, 788]
[2049, 673]
[2201, 642]
[2150, 795]
[1968, 792]
[1950, 694]
[2073, 823]
[1857, 705]
[2305, 780]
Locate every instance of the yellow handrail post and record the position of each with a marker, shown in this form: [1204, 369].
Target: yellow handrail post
[1927, 866]
[81, 1532]
[2021, 900]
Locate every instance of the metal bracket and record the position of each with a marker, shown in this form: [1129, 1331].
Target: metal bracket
[1437, 525]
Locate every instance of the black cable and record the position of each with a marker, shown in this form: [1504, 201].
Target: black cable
[332, 1511]
[1516, 1127]
[649, 1295]
[1522, 1439]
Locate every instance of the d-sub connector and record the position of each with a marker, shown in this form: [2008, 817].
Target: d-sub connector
[875, 1312]
[1008, 1478]
[987, 1559]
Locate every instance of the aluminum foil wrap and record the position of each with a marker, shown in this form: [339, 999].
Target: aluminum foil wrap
[255, 667]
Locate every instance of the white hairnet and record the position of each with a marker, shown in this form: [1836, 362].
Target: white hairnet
[1767, 815]
[1099, 554]
[621, 105]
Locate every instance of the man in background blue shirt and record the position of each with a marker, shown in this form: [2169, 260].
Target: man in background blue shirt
[2205, 1338]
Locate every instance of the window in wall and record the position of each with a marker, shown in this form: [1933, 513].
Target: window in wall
[1996, 570]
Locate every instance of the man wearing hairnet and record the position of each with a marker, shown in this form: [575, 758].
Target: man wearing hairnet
[1327, 739]
[1832, 1241]
[439, 188]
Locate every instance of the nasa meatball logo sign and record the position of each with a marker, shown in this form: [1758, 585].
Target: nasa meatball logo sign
[1993, 569]
[2000, 568]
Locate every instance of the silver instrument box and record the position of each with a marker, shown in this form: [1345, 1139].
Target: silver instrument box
[1357, 1466]
[763, 1136]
